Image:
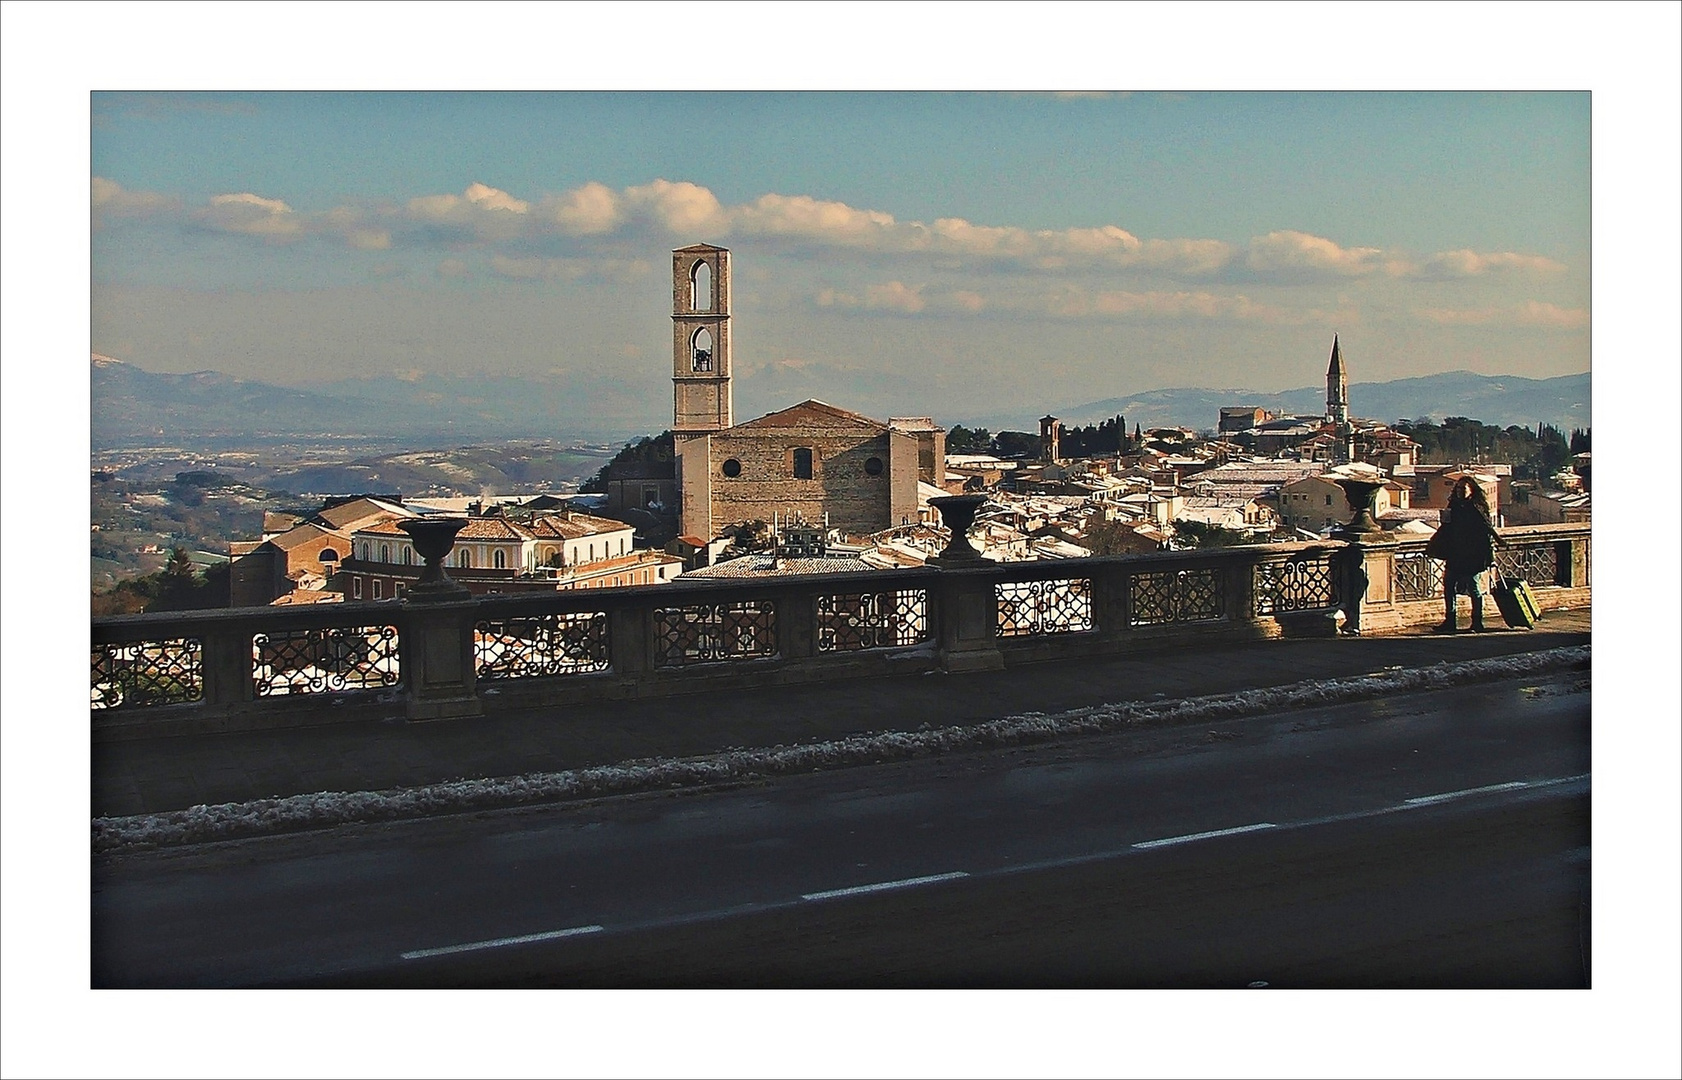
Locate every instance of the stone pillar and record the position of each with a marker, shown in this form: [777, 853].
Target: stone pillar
[966, 609]
[438, 657]
[967, 616]
[227, 665]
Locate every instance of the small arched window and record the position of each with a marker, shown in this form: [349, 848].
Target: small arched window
[365, 557]
[465, 558]
[803, 463]
[385, 552]
[499, 560]
[702, 350]
[329, 555]
[701, 287]
[408, 554]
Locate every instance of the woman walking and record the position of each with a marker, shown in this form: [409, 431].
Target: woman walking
[1465, 542]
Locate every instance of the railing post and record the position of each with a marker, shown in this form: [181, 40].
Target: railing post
[1109, 599]
[227, 666]
[967, 616]
[1241, 586]
[438, 661]
[797, 623]
[628, 636]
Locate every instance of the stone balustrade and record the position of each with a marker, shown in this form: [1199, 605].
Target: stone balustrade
[449, 656]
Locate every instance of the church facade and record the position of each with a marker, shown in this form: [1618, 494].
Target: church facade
[811, 461]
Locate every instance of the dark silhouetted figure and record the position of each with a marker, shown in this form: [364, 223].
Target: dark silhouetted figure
[1465, 542]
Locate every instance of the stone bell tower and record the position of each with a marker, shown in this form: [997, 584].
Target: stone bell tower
[700, 340]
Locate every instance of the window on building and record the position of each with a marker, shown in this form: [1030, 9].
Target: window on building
[701, 350]
[328, 555]
[408, 555]
[732, 468]
[499, 560]
[356, 588]
[1328, 500]
[364, 551]
[701, 287]
[378, 589]
[621, 545]
[397, 589]
[465, 558]
[385, 553]
[873, 466]
[803, 463]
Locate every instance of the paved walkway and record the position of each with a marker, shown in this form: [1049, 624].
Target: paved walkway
[174, 773]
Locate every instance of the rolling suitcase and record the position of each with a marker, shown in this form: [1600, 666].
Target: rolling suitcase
[1517, 602]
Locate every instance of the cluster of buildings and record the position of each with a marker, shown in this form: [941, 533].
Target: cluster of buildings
[814, 488]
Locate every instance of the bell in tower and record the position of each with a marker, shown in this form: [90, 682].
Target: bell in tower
[701, 400]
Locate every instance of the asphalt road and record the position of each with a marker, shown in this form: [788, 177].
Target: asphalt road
[1433, 840]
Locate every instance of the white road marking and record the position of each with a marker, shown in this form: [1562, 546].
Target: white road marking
[1427, 800]
[1202, 835]
[882, 886]
[497, 943]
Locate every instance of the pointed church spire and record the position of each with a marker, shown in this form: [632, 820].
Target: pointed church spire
[1336, 368]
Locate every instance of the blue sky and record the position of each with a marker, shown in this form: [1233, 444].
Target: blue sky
[948, 253]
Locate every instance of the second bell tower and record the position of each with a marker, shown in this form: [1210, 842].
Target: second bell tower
[701, 401]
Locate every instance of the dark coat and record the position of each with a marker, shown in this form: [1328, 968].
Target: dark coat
[1465, 540]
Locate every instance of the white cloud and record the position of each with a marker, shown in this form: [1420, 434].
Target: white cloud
[1531, 313]
[1291, 251]
[590, 210]
[680, 207]
[804, 217]
[490, 198]
[252, 215]
[111, 201]
[1468, 263]
[486, 212]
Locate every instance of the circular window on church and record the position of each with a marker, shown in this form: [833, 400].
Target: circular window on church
[873, 466]
[732, 468]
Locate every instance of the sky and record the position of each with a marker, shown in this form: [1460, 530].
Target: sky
[953, 254]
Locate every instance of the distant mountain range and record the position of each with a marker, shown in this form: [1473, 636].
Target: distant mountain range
[1494, 399]
[134, 407]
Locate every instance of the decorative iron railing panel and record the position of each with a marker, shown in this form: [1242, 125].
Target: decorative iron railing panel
[848, 622]
[1295, 585]
[1538, 564]
[529, 646]
[1055, 606]
[331, 660]
[1171, 596]
[1418, 576]
[706, 633]
[142, 673]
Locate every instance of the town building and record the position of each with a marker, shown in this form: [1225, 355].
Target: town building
[494, 554]
[811, 461]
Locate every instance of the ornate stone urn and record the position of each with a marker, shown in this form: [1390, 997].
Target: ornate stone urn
[434, 537]
[958, 514]
[1360, 491]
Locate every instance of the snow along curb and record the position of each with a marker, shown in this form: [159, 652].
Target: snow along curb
[261, 817]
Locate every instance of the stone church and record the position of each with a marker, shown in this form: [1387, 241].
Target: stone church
[812, 460]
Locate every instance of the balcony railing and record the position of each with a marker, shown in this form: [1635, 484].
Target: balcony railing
[263, 667]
